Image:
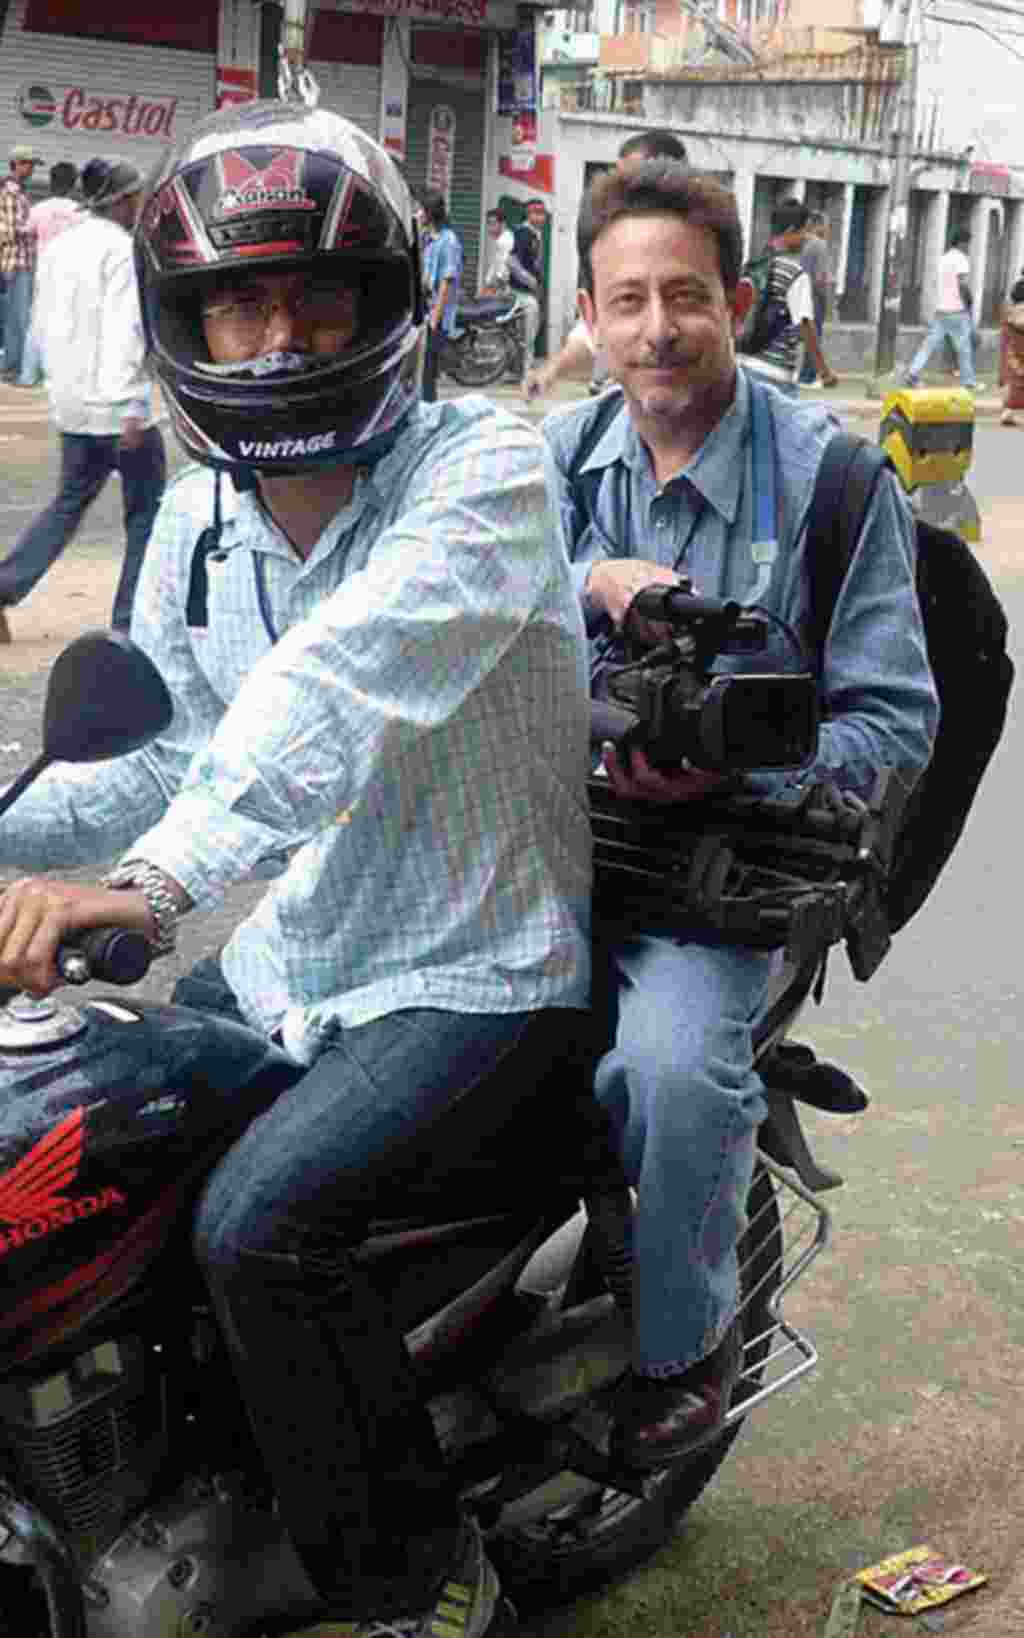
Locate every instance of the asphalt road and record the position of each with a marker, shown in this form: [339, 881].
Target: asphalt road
[910, 1430]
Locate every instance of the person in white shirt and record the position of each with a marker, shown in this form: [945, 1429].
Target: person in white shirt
[953, 315]
[496, 275]
[89, 328]
[46, 220]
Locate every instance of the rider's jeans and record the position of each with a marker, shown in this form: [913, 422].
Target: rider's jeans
[685, 1099]
[415, 1113]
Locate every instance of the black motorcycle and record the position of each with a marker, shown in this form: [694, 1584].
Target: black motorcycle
[488, 342]
[133, 1502]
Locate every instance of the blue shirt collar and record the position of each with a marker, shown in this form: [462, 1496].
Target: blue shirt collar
[716, 471]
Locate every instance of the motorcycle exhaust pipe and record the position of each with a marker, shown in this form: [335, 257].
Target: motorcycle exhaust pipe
[32, 1539]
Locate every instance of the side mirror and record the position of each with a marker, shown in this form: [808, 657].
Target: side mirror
[104, 698]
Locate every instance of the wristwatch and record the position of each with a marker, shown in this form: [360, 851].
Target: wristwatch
[152, 884]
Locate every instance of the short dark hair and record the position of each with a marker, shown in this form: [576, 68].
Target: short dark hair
[497, 212]
[789, 214]
[63, 177]
[661, 187]
[541, 202]
[659, 144]
[960, 236]
[436, 206]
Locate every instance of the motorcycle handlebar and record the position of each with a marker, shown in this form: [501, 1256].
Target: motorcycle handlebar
[113, 955]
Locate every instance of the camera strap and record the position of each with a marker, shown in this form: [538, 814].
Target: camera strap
[764, 545]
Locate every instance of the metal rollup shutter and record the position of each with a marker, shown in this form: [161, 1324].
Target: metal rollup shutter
[50, 84]
[467, 166]
[351, 90]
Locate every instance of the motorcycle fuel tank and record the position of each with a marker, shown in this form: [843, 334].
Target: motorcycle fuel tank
[111, 1114]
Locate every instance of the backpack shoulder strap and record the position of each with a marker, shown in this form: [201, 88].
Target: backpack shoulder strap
[850, 469]
[584, 485]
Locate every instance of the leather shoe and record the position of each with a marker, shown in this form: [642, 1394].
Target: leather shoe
[661, 1419]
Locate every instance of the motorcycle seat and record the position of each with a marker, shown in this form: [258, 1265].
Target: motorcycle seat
[486, 307]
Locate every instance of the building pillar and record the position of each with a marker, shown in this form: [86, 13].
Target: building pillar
[843, 247]
[977, 251]
[743, 190]
[394, 86]
[878, 216]
[1014, 239]
[936, 230]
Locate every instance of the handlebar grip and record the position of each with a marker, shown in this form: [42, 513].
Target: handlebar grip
[113, 955]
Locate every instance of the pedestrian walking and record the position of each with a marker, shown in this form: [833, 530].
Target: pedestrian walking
[17, 255]
[953, 315]
[816, 263]
[1011, 354]
[46, 220]
[789, 287]
[90, 334]
[526, 273]
[442, 273]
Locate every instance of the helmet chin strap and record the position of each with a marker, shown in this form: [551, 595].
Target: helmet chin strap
[276, 363]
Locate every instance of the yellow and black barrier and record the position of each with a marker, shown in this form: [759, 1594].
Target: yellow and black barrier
[928, 434]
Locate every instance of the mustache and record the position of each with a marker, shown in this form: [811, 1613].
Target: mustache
[665, 357]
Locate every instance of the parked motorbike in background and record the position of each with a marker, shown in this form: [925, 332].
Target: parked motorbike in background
[488, 343]
[133, 1502]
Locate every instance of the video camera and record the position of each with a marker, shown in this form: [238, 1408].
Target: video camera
[667, 703]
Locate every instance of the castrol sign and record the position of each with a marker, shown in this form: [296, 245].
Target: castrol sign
[80, 108]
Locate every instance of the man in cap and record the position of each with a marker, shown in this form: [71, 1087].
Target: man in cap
[17, 255]
[89, 329]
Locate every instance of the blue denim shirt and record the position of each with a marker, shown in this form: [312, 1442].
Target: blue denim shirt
[443, 260]
[878, 698]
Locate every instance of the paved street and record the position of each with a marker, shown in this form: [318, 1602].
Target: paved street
[910, 1430]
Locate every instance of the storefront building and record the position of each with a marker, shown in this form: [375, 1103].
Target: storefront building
[85, 77]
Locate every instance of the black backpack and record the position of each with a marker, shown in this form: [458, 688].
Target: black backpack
[965, 629]
[768, 317]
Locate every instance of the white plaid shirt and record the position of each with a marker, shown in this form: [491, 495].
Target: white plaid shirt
[412, 750]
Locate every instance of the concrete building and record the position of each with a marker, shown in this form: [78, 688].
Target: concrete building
[782, 97]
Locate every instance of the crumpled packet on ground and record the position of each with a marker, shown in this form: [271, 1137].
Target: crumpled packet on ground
[916, 1580]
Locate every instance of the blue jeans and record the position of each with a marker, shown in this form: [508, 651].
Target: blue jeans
[86, 463]
[960, 330]
[31, 372]
[418, 1114]
[685, 1100]
[16, 319]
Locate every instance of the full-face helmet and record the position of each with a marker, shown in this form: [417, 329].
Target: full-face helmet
[271, 188]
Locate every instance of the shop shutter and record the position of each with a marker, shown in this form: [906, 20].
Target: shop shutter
[157, 91]
[467, 169]
[351, 90]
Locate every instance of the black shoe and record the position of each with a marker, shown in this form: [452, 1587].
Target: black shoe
[469, 1604]
[662, 1418]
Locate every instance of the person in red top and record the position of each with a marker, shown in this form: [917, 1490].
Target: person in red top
[46, 221]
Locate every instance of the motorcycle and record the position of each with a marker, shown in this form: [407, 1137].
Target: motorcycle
[488, 342]
[133, 1502]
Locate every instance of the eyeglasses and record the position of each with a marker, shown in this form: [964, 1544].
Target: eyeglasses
[316, 303]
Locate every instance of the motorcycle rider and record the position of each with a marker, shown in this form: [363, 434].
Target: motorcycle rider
[378, 668]
[661, 253]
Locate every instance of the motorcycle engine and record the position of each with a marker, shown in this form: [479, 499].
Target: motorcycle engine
[89, 1444]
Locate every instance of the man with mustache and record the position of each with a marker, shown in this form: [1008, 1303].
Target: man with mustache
[657, 484]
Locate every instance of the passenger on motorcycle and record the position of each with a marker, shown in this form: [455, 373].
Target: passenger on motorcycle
[378, 668]
[665, 491]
